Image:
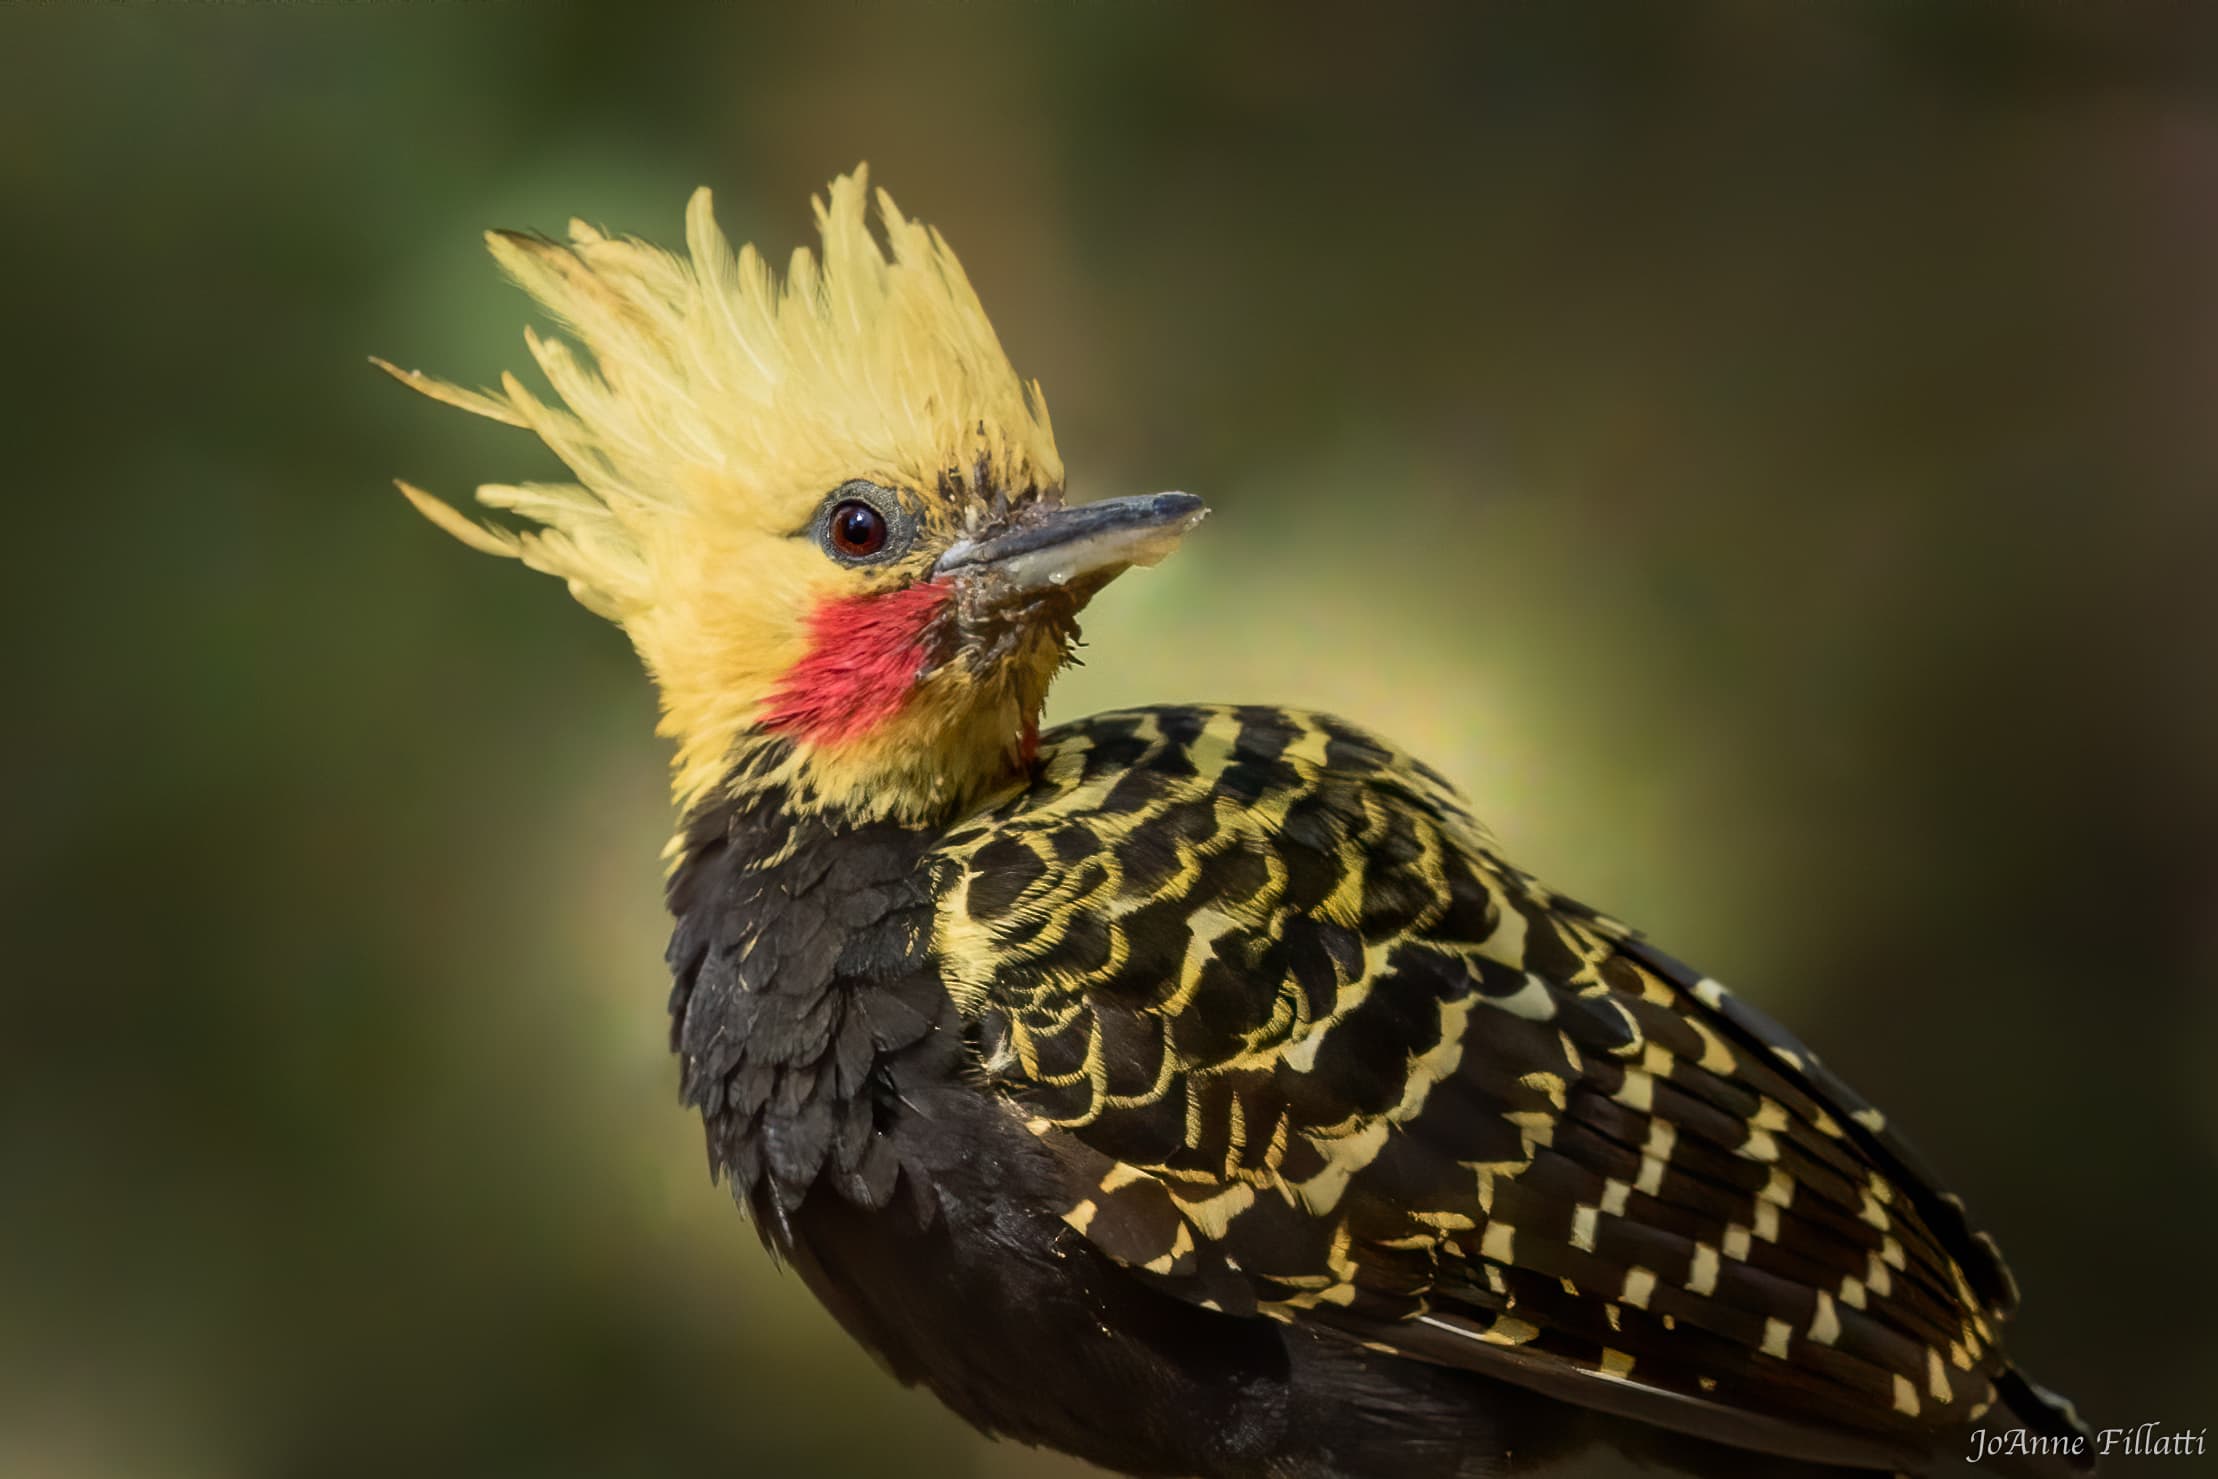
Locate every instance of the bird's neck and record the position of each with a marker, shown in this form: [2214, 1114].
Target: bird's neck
[924, 776]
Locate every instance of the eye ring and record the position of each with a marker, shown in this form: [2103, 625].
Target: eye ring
[855, 529]
[860, 523]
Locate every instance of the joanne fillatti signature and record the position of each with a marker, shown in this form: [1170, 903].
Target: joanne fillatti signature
[2149, 1440]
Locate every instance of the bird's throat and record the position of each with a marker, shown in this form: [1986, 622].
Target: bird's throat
[893, 712]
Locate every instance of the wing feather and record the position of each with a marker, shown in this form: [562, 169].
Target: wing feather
[1313, 1049]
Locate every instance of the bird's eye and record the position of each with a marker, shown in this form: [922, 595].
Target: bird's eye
[861, 523]
[856, 530]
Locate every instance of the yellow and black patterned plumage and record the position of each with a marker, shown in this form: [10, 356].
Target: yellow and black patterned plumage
[1314, 1049]
[1197, 1090]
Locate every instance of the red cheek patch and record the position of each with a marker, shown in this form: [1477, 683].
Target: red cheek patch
[864, 652]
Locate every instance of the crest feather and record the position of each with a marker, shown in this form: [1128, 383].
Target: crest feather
[703, 404]
[709, 391]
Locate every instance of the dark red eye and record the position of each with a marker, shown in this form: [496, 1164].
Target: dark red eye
[857, 530]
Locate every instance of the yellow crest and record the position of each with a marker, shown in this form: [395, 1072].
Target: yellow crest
[710, 412]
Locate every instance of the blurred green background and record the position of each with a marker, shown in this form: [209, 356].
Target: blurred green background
[1768, 454]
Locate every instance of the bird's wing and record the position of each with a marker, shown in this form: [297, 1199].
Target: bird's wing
[1313, 1049]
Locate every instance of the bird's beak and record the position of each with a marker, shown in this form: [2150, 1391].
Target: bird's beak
[1047, 546]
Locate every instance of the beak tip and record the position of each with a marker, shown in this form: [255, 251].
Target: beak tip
[1171, 507]
[1176, 513]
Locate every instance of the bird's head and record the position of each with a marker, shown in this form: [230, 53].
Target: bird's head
[824, 509]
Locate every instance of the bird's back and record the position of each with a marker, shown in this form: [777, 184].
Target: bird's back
[1235, 1023]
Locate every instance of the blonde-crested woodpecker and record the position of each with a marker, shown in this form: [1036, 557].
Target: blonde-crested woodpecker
[1195, 1090]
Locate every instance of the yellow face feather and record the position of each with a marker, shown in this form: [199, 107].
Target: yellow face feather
[712, 411]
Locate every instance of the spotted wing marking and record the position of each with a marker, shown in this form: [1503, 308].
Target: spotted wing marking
[1314, 1049]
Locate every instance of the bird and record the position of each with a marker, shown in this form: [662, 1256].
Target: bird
[1196, 1090]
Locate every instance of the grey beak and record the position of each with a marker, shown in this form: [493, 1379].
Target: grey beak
[1064, 545]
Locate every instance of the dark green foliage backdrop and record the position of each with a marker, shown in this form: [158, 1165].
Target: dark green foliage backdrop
[1765, 452]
